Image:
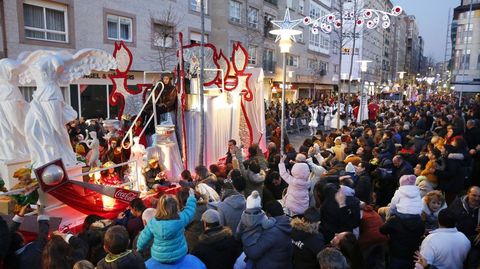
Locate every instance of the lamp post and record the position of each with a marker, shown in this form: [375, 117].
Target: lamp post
[285, 34]
[362, 108]
[401, 75]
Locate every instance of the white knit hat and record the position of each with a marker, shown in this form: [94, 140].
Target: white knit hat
[350, 168]
[254, 200]
[300, 158]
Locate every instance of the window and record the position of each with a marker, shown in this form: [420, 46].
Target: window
[312, 64]
[466, 59]
[300, 36]
[292, 60]
[47, 22]
[268, 60]
[335, 68]
[478, 62]
[252, 55]
[119, 28]
[195, 5]
[253, 17]
[301, 6]
[163, 35]
[235, 11]
[273, 2]
[197, 38]
[267, 24]
[335, 47]
[324, 66]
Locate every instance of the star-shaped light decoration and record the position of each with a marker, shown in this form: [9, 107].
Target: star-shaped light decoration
[286, 27]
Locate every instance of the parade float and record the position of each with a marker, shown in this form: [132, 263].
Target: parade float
[36, 139]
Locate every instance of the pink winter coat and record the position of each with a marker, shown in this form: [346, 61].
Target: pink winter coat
[296, 199]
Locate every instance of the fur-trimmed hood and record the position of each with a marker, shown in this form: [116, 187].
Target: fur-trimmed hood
[215, 234]
[301, 225]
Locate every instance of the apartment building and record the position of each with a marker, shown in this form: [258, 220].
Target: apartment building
[466, 46]
[148, 28]
[413, 48]
[309, 71]
[399, 50]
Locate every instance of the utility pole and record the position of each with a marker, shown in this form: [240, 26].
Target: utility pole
[340, 65]
[202, 67]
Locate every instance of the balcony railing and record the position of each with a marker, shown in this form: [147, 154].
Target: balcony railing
[273, 2]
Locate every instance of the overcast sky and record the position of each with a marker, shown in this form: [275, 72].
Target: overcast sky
[432, 19]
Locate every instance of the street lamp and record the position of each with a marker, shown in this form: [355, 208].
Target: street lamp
[285, 34]
[363, 107]
[401, 75]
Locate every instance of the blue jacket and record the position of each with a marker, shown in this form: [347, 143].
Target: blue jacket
[187, 262]
[169, 244]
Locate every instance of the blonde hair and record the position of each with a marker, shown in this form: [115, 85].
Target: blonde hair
[167, 207]
[434, 195]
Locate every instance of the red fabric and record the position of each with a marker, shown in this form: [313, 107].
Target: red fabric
[370, 229]
[355, 112]
[372, 111]
[137, 131]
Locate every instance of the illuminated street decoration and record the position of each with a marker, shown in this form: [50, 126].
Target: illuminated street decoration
[372, 18]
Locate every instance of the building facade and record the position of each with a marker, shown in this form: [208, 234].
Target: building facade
[309, 71]
[412, 54]
[466, 46]
[148, 28]
[399, 49]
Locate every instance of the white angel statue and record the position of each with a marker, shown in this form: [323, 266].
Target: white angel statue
[45, 121]
[313, 124]
[138, 153]
[94, 145]
[13, 109]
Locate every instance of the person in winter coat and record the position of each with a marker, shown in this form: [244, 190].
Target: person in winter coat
[252, 221]
[255, 179]
[465, 211]
[5, 243]
[116, 242]
[272, 248]
[372, 243]
[433, 203]
[407, 198]
[306, 240]
[217, 248]
[405, 232]
[195, 227]
[275, 184]
[339, 212]
[187, 262]
[233, 202]
[401, 167]
[167, 229]
[27, 256]
[363, 183]
[297, 197]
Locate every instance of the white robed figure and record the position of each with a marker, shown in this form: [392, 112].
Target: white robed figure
[138, 153]
[13, 109]
[327, 121]
[49, 113]
[313, 124]
[338, 113]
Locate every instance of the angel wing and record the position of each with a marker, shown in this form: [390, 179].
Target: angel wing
[83, 62]
[26, 59]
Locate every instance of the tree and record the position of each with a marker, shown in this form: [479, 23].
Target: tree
[164, 31]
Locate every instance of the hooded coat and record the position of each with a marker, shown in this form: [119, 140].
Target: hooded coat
[130, 259]
[297, 197]
[231, 210]
[169, 244]
[273, 249]
[252, 221]
[407, 200]
[405, 235]
[307, 243]
[254, 182]
[217, 248]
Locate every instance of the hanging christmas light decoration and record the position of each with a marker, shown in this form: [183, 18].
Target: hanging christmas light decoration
[371, 18]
